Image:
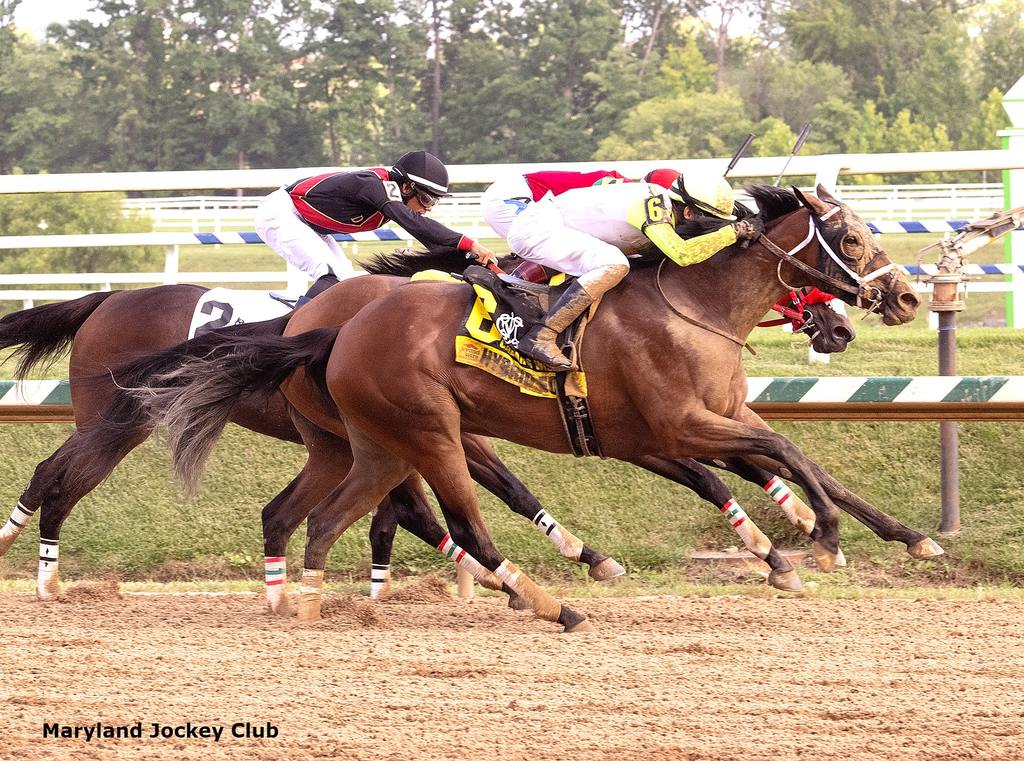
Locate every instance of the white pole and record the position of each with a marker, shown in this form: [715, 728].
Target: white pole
[1013, 196]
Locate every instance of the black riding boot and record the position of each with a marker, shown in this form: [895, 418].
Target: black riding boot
[539, 342]
[322, 284]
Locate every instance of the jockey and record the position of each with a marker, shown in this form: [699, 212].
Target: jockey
[297, 220]
[588, 231]
[506, 198]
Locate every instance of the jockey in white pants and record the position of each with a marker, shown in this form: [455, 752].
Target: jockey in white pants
[299, 220]
[588, 231]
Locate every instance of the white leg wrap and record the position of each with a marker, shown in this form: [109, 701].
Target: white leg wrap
[461, 558]
[47, 585]
[380, 578]
[21, 516]
[753, 538]
[276, 579]
[796, 511]
[564, 540]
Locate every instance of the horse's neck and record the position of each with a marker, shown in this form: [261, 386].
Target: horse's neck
[732, 291]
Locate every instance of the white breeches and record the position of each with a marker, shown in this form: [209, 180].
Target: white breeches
[281, 228]
[503, 201]
[540, 235]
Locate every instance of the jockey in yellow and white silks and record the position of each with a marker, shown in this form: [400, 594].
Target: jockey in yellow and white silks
[588, 232]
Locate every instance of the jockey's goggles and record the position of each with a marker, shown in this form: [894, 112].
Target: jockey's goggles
[427, 200]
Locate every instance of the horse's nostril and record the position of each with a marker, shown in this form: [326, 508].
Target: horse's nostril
[909, 299]
[843, 334]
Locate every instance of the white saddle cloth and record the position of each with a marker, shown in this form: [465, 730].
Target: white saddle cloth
[220, 307]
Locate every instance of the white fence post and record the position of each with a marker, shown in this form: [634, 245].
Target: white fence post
[1013, 193]
[172, 256]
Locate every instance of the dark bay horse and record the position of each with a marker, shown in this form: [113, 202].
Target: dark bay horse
[106, 329]
[663, 364]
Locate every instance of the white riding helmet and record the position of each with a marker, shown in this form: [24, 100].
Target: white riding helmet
[708, 192]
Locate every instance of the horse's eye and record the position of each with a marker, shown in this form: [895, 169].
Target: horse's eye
[851, 240]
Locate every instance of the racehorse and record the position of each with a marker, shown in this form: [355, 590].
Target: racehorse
[662, 357]
[107, 328]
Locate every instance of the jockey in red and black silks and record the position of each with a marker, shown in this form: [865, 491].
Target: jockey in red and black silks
[298, 220]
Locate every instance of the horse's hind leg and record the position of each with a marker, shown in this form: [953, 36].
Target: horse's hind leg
[57, 485]
[490, 472]
[708, 486]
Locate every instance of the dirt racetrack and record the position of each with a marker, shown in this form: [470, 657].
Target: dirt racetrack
[432, 677]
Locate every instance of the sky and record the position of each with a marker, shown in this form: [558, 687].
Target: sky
[36, 15]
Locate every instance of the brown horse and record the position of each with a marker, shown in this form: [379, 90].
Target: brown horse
[663, 364]
[105, 329]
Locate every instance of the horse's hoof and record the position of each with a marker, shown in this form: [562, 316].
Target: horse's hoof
[826, 559]
[840, 559]
[48, 592]
[6, 540]
[580, 626]
[925, 549]
[516, 602]
[376, 592]
[309, 611]
[280, 606]
[606, 570]
[787, 581]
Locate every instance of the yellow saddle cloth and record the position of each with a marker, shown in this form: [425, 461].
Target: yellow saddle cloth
[479, 343]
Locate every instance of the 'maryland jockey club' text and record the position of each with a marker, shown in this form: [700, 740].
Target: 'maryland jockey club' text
[188, 730]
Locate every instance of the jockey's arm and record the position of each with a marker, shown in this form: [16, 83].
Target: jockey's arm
[657, 222]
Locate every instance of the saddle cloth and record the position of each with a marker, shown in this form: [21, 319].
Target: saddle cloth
[220, 307]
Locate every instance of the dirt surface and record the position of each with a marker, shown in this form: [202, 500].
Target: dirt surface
[430, 677]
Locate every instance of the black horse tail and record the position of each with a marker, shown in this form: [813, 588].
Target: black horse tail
[43, 334]
[194, 388]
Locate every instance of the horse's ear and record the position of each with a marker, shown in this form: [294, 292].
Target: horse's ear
[825, 196]
[817, 206]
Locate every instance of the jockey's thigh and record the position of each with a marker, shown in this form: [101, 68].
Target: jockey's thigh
[503, 201]
[281, 228]
[540, 234]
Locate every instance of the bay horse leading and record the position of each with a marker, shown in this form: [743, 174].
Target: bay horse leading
[664, 371]
[106, 329]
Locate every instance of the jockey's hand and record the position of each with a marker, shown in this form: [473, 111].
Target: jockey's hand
[483, 255]
[748, 229]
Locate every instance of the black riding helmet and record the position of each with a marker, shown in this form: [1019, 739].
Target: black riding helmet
[424, 170]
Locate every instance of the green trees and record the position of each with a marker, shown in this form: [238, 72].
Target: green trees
[176, 84]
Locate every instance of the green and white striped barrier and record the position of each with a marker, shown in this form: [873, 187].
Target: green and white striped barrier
[993, 397]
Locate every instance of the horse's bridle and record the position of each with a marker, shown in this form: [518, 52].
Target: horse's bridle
[861, 284]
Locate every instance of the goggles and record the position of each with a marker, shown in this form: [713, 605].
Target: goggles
[427, 200]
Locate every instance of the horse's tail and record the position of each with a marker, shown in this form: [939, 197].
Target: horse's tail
[195, 387]
[44, 333]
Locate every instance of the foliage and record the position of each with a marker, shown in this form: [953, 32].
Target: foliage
[67, 213]
[176, 84]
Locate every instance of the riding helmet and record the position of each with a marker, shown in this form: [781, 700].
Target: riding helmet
[424, 170]
[707, 192]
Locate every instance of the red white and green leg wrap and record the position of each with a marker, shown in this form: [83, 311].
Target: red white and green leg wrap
[380, 579]
[753, 538]
[462, 559]
[275, 577]
[47, 585]
[565, 540]
[798, 513]
[20, 517]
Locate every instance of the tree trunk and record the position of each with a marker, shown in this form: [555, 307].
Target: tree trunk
[653, 36]
[435, 101]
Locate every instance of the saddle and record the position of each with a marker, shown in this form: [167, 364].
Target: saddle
[504, 309]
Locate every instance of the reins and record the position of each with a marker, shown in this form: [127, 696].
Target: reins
[695, 321]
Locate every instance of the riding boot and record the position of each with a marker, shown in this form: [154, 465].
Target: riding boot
[539, 341]
[322, 284]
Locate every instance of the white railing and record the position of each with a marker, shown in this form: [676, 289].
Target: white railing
[463, 208]
[876, 202]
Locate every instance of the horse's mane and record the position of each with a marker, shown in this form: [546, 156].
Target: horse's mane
[408, 263]
[773, 202]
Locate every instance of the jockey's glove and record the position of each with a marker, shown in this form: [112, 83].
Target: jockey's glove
[748, 229]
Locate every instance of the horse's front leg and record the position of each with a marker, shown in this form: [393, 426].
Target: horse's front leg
[711, 436]
[884, 526]
[708, 486]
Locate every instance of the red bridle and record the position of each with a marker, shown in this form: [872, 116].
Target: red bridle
[791, 307]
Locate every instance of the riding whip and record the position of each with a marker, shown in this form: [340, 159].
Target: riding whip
[804, 132]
